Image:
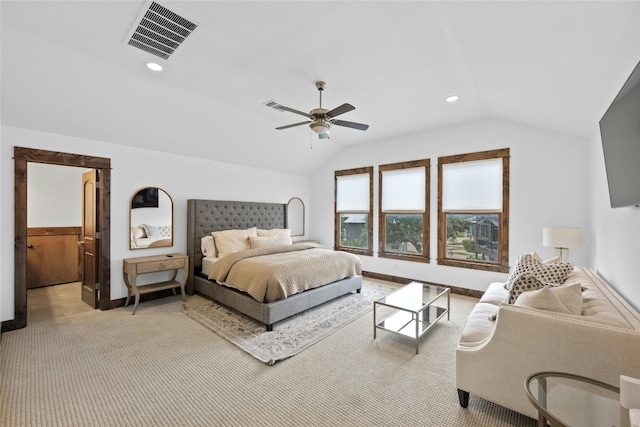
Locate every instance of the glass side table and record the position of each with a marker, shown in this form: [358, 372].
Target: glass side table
[565, 400]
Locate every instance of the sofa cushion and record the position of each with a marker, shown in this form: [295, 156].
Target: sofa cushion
[561, 299]
[495, 294]
[479, 324]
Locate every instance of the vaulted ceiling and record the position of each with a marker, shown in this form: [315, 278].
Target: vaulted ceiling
[66, 68]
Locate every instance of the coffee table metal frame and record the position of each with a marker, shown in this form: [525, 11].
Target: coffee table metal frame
[414, 312]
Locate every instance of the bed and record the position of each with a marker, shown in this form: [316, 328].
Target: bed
[207, 216]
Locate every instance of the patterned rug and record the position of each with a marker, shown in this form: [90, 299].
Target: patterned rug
[290, 336]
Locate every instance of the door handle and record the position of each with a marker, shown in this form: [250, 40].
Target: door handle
[81, 242]
[30, 246]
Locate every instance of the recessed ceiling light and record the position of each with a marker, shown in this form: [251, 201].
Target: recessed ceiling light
[452, 98]
[153, 66]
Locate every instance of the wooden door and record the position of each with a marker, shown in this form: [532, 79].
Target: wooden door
[52, 256]
[90, 235]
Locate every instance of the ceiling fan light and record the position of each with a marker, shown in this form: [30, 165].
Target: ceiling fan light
[320, 127]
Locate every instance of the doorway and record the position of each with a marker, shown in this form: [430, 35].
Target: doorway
[22, 156]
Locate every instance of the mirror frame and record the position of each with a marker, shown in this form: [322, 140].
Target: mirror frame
[131, 225]
[295, 232]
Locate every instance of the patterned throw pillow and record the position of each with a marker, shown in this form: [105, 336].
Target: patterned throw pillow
[526, 282]
[545, 273]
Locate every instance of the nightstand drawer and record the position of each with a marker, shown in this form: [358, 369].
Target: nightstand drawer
[153, 266]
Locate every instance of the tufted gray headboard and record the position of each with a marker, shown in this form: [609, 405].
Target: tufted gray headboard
[205, 216]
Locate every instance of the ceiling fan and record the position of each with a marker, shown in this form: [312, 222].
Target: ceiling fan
[322, 119]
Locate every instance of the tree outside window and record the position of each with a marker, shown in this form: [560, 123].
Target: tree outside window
[354, 210]
[404, 211]
[473, 210]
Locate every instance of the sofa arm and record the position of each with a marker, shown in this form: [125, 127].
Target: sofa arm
[525, 341]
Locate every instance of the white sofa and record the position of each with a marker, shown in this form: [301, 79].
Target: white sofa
[494, 357]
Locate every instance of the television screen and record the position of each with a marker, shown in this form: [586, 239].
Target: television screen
[620, 132]
[145, 198]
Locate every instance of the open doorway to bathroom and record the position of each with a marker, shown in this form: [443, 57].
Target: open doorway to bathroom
[54, 242]
[102, 166]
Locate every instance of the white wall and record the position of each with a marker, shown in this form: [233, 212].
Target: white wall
[548, 187]
[181, 177]
[54, 195]
[616, 250]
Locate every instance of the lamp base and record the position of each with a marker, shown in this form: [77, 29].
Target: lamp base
[563, 253]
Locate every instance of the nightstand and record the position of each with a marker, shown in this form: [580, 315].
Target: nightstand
[132, 267]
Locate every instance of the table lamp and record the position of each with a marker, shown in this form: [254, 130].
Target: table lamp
[562, 239]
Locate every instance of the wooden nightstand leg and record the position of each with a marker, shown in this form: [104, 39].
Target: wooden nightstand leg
[135, 306]
[126, 282]
[136, 293]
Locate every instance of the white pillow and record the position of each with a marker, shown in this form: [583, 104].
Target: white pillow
[138, 232]
[561, 299]
[554, 260]
[208, 246]
[267, 242]
[232, 241]
[279, 232]
[152, 230]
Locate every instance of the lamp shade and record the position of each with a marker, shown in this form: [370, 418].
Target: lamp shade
[562, 237]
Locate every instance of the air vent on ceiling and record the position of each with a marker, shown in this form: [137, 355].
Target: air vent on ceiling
[160, 31]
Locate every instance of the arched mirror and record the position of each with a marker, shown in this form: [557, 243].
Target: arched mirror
[150, 219]
[295, 216]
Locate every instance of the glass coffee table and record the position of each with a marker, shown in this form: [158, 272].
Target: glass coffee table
[571, 400]
[413, 310]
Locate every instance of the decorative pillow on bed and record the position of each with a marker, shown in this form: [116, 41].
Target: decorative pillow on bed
[207, 246]
[267, 242]
[232, 241]
[545, 273]
[561, 299]
[276, 232]
[138, 232]
[152, 230]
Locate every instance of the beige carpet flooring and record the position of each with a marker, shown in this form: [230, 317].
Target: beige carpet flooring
[160, 368]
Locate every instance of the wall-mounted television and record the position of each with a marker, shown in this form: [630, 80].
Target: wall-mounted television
[620, 133]
[145, 198]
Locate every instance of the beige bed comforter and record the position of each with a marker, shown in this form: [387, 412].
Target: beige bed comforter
[271, 274]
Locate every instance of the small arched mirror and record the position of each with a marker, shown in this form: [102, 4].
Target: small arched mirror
[150, 219]
[295, 216]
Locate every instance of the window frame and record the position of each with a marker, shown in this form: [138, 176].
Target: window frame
[503, 216]
[382, 216]
[337, 229]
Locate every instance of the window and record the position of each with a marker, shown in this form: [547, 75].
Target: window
[404, 211]
[354, 210]
[473, 210]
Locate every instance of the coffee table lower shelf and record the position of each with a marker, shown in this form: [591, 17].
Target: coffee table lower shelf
[407, 319]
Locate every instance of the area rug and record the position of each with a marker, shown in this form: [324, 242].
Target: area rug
[290, 336]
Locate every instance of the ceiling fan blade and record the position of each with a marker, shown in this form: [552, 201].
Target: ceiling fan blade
[353, 125]
[291, 110]
[295, 124]
[344, 108]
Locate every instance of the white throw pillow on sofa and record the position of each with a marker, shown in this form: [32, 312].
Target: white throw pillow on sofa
[560, 299]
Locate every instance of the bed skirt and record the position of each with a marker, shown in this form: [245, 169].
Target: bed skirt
[270, 313]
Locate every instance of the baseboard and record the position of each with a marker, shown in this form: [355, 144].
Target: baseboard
[404, 280]
[115, 303]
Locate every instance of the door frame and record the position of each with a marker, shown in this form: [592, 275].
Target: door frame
[22, 156]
